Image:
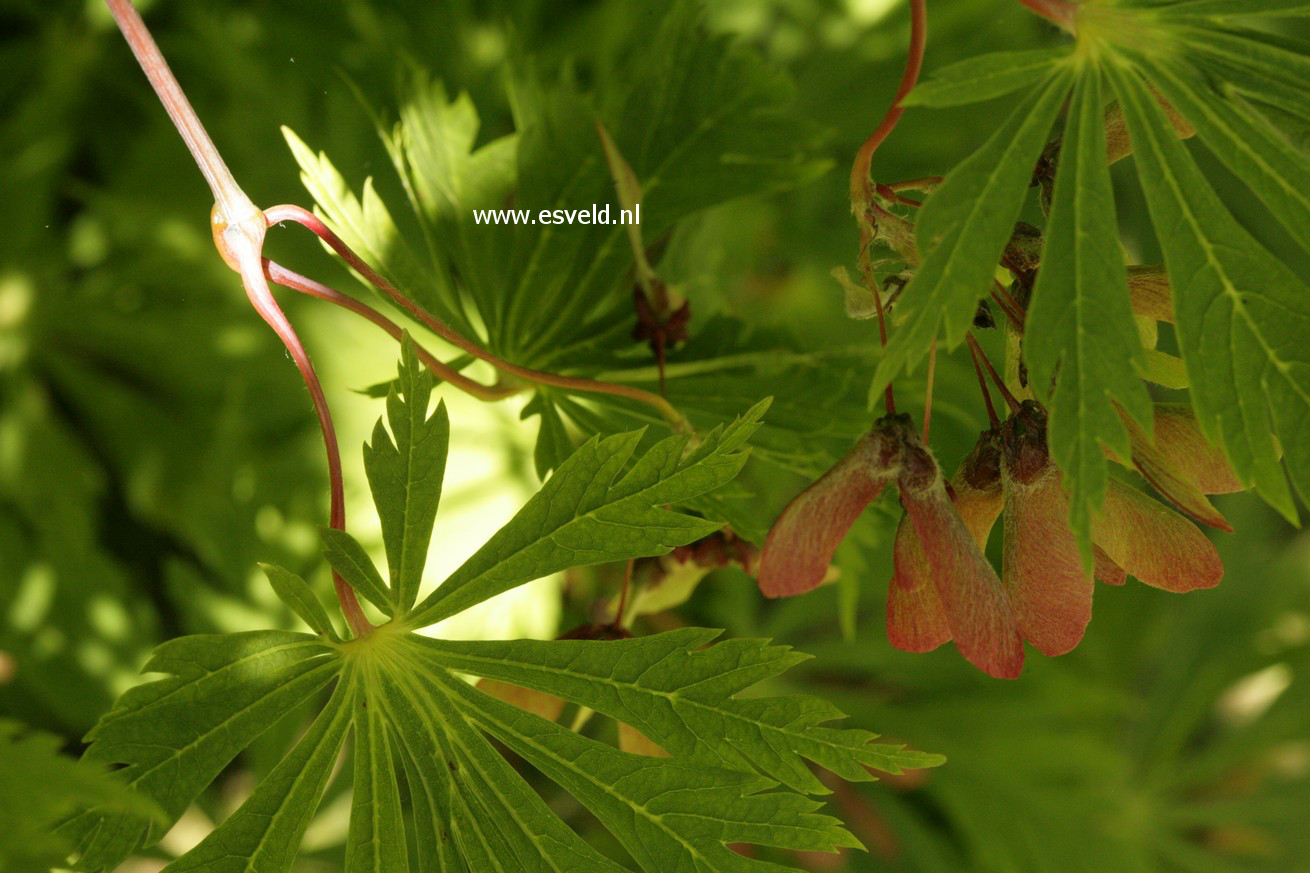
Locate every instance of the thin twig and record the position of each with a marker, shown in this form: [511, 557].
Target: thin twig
[927, 184]
[1010, 399]
[234, 203]
[888, 395]
[1009, 299]
[1007, 304]
[290, 279]
[992, 419]
[889, 193]
[623, 595]
[861, 194]
[238, 227]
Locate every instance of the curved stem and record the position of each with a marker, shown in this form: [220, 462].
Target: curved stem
[1058, 12]
[862, 185]
[233, 202]
[290, 279]
[861, 192]
[891, 194]
[252, 277]
[927, 184]
[440, 328]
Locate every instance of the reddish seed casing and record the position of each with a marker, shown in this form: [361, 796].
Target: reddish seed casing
[802, 541]
[977, 610]
[1043, 570]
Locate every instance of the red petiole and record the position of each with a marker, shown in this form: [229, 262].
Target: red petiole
[239, 228]
[1008, 304]
[1010, 399]
[992, 419]
[861, 185]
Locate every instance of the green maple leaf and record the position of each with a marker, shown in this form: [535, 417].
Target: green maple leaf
[429, 785]
[1242, 315]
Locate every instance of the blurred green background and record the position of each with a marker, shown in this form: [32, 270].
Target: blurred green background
[155, 441]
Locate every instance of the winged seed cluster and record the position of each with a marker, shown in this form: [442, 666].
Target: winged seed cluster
[1081, 332]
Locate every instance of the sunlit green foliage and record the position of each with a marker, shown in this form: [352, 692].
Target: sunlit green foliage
[156, 446]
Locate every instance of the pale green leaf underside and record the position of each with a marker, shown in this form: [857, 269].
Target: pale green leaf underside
[1242, 315]
[1080, 322]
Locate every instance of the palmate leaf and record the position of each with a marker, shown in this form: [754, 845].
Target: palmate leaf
[709, 121]
[736, 771]
[592, 510]
[1080, 321]
[679, 677]
[1239, 310]
[1242, 315]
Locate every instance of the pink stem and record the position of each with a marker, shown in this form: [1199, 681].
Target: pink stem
[290, 279]
[1010, 399]
[860, 193]
[982, 385]
[252, 277]
[233, 202]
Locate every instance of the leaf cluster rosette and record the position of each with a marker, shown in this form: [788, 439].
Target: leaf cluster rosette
[431, 788]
